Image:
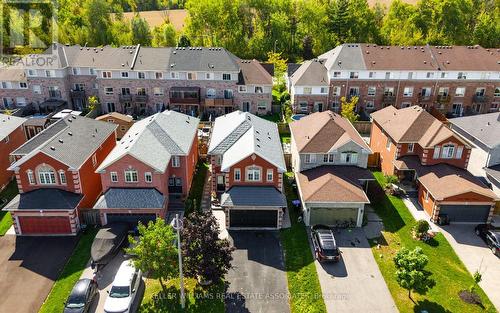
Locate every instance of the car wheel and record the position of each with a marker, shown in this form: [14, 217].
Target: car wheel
[477, 232]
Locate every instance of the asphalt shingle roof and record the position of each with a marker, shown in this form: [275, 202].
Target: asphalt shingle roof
[311, 73]
[253, 196]
[202, 59]
[8, 124]
[130, 198]
[45, 199]
[483, 127]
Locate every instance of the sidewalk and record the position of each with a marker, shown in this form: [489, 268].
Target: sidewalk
[205, 199]
[418, 212]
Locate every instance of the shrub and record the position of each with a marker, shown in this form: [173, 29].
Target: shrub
[420, 228]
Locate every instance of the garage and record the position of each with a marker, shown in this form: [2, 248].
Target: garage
[330, 216]
[130, 218]
[253, 218]
[43, 225]
[466, 213]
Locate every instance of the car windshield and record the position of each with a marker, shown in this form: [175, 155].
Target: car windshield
[119, 292]
[75, 301]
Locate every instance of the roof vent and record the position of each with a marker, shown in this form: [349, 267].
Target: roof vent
[70, 133]
[425, 62]
[61, 141]
[74, 117]
[175, 52]
[52, 148]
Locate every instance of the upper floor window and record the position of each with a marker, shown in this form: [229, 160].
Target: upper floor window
[174, 75]
[269, 175]
[389, 91]
[37, 89]
[31, 72]
[226, 76]
[50, 73]
[307, 90]
[372, 90]
[94, 159]
[410, 147]
[176, 161]
[228, 94]
[46, 176]
[328, 158]
[353, 74]
[459, 91]
[191, 76]
[148, 177]
[387, 75]
[462, 75]
[211, 93]
[141, 75]
[371, 75]
[131, 176]
[349, 157]
[497, 92]
[113, 177]
[408, 92]
[336, 91]
[444, 74]
[31, 177]
[158, 75]
[23, 85]
[76, 71]
[388, 144]
[237, 174]
[430, 75]
[157, 91]
[480, 92]
[92, 71]
[253, 173]
[310, 158]
[106, 74]
[448, 151]
[62, 177]
[242, 88]
[336, 74]
[410, 75]
[259, 89]
[209, 76]
[443, 91]
[124, 74]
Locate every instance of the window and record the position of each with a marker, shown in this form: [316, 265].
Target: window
[23, 85]
[262, 106]
[410, 147]
[443, 91]
[237, 174]
[174, 75]
[106, 74]
[372, 91]
[410, 75]
[191, 76]
[124, 74]
[448, 151]
[310, 158]
[228, 94]
[303, 107]
[259, 89]
[94, 159]
[371, 75]
[209, 76]
[444, 74]
[253, 173]
[354, 91]
[50, 73]
[131, 176]
[349, 157]
[114, 177]
[335, 105]
[323, 90]
[242, 88]
[157, 91]
[176, 161]
[336, 91]
[46, 176]
[328, 158]
[426, 92]
[389, 91]
[460, 92]
[226, 76]
[31, 177]
[336, 74]
[76, 71]
[108, 90]
[388, 144]
[211, 93]
[353, 75]
[79, 87]
[141, 91]
[426, 195]
[159, 75]
[141, 75]
[37, 89]
[497, 92]
[456, 109]
[460, 149]
[269, 175]
[387, 75]
[405, 105]
[462, 75]
[307, 90]
[430, 75]
[62, 177]
[32, 73]
[408, 92]
[480, 92]
[370, 104]
[92, 71]
[111, 106]
[148, 177]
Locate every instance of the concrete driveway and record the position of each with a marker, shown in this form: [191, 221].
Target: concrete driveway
[104, 281]
[476, 257]
[355, 283]
[28, 268]
[257, 281]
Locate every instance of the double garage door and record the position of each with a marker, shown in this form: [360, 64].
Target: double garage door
[466, 213]
[43, 225]
[330, 216]
[253, 218]
[131, 219]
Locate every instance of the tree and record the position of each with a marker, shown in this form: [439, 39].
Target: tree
[164, 36]
[349, 108]
[140, 31]
[410, 270]
[184, 41]
[93, 103]
[98, 22]
[279, 63]
[205, 256]
[338, 13]
[307, 47]
[155, 251]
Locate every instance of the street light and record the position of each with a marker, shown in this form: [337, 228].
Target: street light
[177, 225]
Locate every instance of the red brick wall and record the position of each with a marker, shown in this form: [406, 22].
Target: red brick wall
[469, 197]
[462, 162]
[16, 139]
[428, 204]
[378, 141]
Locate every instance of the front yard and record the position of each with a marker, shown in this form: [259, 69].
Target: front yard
[9, 192]
[448, 272]
[303, 283]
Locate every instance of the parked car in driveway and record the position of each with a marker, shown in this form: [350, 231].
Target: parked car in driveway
[490, 235]
[124, 289]
[81, 297]
[325, 246]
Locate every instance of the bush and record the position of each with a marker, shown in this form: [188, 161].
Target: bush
[420, 228]
[391, 179]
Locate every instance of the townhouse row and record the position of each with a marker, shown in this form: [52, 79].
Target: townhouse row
[138, 80]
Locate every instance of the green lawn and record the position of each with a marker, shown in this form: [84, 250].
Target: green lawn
[70, 274]
[197, 299]
[9, 192]
[285, 138]
[196, 191]
[448, 272]
[303, 283]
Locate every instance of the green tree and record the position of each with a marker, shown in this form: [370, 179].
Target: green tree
[399, 25]
[184, 41]
[410, 270]
[349, 108]
[155, 251]
[164, 36]
[338, 22]
[93, 102]
[280, 65]
[96, 15]
[140, 31]
[487, 29]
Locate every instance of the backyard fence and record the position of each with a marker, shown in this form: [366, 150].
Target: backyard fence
[363, 127]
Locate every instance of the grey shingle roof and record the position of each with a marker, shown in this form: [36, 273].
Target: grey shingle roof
[8, 124]
[155, 139]
[253, 196]
[45, 199]
[493, 172]
[483, 127]
[71, 140]
[130, 198]
[202, 59]
[311, 73]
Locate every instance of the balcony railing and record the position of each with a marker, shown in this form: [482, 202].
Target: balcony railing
[185, 100]
[141, 98]
[443, 98]
[55, 94]
[125, 98]
[479, 98]
[218, 102]
[389, 99]
[78, 94]
[422, 97]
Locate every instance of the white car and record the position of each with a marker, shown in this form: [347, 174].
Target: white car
[124, 289]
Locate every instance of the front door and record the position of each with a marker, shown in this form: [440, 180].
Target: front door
[246, 106]
[175, 185]
[221, 183]
[319, 107]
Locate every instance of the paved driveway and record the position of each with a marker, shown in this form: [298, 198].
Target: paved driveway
[28, 268]
[354, 284]
[476, 257]
[257, 282]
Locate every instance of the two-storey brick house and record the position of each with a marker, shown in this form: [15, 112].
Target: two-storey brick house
[155, 159]
[329, 159]
[246, 168]
[415, 146]
[123, 121]
[11, 137]
[55, 172]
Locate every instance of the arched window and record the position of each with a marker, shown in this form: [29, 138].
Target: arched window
[211, 93]
[46, 175]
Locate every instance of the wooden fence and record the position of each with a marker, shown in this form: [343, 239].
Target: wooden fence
[91, 217]
[363, 127]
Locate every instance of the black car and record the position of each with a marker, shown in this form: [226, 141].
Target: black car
[325, 246]
[81, 297]
[490, 235]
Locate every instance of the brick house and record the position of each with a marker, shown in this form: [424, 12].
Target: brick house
[329, 159]
[124, 122]
[456, 80]
[246, 168]
[420, 149]
[141, 81]
[310, 87]
[155, 160]
[55, 173]
[11, 137]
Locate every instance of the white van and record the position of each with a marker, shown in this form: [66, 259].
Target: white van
[124, 289]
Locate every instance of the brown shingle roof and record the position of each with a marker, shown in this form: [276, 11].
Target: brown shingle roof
[397, 57]
[253, 73]
[321, 131]
[115, 115]
[333, 184]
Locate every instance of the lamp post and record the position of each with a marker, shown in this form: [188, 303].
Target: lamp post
[177, 225]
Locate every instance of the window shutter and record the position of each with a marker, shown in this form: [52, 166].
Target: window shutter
[436, 152]
[459, 152]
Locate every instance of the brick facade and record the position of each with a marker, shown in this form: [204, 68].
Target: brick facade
[14, 140]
